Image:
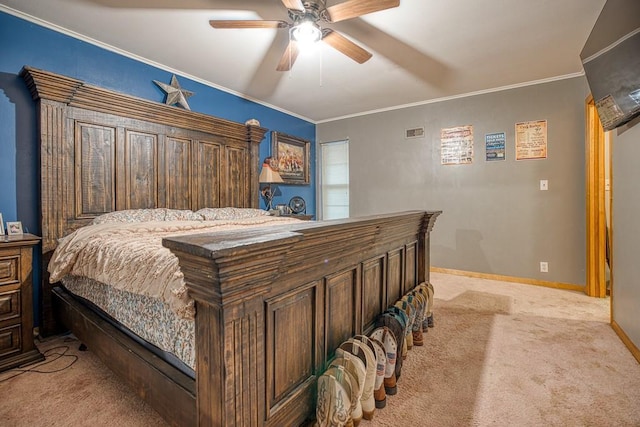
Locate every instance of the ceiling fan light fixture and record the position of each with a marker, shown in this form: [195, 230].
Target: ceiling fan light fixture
[304, 29]
[306, 32]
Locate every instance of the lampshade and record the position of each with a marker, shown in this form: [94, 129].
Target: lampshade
[268, 175]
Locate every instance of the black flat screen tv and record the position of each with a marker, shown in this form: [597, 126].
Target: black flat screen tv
[611, 62]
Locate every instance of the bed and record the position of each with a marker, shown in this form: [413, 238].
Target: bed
[119, 266]
[271, 304]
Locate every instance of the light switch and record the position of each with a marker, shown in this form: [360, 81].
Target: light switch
[544, 185]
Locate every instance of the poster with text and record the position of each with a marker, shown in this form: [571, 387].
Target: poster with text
[456, 145]
[531, 140]
[494, 146]
[609, 111]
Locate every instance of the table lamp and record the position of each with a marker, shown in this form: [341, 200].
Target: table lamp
[270, 177]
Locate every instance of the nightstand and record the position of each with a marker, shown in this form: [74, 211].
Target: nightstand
[16, 301]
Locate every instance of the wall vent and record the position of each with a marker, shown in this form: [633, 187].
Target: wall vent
[414, 133]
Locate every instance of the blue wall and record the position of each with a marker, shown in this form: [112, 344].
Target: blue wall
[24, 43]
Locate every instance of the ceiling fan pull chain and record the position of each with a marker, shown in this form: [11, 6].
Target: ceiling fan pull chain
[289, 47]
[320, 49]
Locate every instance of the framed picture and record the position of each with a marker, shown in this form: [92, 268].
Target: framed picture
[291, 156]
[1, 226]
[14, 228]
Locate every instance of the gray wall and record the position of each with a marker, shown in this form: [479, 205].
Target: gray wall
[495, 220]
[626, 232]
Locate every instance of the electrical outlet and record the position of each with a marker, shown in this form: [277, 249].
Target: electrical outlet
[544, 267]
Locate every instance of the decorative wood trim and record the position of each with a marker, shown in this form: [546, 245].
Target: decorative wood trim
[524, 281]
[292, 318]
[76, 93]
[595, 203]
[424, 244]
[342, 311]
[411, 267]
[52, 165]
[395, 274]
[635, 351]
[374, 290]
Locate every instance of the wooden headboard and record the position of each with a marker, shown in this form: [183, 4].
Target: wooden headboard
[102, 151]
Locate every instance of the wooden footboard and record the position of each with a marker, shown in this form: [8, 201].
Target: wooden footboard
[272, 306]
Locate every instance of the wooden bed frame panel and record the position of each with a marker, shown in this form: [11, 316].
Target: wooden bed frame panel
[272, 304]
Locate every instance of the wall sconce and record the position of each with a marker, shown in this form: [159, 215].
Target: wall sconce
[270, 177]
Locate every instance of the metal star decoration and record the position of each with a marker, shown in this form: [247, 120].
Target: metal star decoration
[175, 94]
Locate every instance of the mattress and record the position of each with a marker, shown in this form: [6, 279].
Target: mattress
[147, 320]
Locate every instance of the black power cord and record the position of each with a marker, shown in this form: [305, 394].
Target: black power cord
[50, 355]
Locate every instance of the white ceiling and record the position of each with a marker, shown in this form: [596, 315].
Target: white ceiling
[423, 50]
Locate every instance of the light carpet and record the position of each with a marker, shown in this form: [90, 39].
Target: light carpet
[501, 354]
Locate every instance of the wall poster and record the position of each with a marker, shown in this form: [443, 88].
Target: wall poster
[456, 145]
[494, 146]
[609, 111]
[531, 140]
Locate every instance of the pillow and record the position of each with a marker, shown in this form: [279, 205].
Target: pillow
[211, 214]
[132, 215]
[146, 215]
[182, 215]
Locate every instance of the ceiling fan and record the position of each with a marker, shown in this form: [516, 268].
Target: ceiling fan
[305, 26]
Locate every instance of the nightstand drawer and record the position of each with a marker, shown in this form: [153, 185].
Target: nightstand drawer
[10, 340]
[9, 270]
[9, 305]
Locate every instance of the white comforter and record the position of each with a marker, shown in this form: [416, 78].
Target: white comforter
[130, 256]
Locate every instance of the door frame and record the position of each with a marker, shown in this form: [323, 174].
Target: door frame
[596, 285]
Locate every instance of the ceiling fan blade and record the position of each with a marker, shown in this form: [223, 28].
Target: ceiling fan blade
[345, 46]
[288, 57]
[230, 24]
[294, 4]
[354, 8]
